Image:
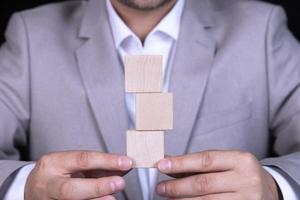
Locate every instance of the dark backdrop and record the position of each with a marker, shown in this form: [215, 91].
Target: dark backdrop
[7, 7]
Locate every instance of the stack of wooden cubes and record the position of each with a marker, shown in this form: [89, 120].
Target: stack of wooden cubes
[153, 109]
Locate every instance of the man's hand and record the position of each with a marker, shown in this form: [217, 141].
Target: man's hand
[54, 176]
[217, 175]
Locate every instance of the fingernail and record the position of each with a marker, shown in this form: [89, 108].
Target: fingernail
[117, 184]
[164, 165]
[161, 188]
[125, 162]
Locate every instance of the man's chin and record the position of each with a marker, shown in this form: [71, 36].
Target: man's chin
[145, 5]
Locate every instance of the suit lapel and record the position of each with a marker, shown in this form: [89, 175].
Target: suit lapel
[191, 68]
[189, 78]
[103, 78]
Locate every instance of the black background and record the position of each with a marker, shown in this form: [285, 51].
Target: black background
[7, 7]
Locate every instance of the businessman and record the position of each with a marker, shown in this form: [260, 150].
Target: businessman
[234, 70]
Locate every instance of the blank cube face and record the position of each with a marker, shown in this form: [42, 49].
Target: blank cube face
[143, 73]
[154, 111]
[146, 148]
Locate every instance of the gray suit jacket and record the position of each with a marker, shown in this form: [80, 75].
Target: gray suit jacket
[235, 80]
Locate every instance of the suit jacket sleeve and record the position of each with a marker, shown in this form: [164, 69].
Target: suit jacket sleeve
[14, 97]
[283, 62]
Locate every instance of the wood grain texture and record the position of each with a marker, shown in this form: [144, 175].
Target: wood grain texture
[154, 111]
[145, 147]
[143, 73]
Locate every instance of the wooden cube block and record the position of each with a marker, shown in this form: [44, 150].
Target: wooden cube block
[143, 73]
[146, 148]
[154, 111]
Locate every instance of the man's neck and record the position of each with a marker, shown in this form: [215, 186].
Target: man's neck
[142, 22]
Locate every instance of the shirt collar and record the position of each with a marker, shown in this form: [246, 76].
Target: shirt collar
[169, 25]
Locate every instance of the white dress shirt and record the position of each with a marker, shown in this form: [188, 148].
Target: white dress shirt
[161, 41]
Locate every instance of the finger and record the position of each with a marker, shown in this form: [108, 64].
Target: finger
[73, 161]
[79, 189]
[223, 196]
[207, 161]
[199, 185]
